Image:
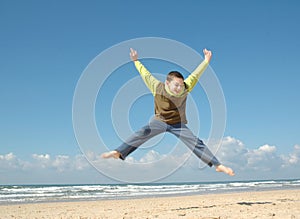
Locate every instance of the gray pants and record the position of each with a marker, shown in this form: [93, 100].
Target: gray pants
[180, 130]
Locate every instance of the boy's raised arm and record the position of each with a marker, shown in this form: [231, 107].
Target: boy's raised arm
[150, 81]
[193, 78]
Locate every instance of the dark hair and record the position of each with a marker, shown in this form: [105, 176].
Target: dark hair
[173, 74]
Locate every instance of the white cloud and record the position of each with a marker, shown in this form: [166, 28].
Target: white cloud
[293, 158]
[266, 149]
[80, 162]
[43, 160]
[233, 152]
[41, 157]
[11, 162]
[265, 158]
[151, 156]
[60, 162]
[7, 157]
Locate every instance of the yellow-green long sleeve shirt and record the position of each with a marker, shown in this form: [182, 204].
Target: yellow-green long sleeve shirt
[152, 83]
[170, 108]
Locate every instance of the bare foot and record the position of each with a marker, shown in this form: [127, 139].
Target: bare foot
[111, 154]
[224, 169]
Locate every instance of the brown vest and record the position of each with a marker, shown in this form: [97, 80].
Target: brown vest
[168, 108]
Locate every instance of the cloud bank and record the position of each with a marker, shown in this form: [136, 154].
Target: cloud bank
[261, 162]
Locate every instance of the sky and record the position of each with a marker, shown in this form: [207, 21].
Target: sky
[45, 48]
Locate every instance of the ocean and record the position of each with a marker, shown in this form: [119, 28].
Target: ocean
[10, 194]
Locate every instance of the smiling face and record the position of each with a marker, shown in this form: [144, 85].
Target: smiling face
[175, 82]
[175, 85]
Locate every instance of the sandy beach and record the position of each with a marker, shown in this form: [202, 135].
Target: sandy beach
[267, 204]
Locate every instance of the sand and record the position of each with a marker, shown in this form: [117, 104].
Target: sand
[267, 204]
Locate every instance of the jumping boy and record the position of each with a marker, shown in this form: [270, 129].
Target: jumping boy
[170, 113]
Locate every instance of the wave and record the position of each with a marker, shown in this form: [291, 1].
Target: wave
[51, 193]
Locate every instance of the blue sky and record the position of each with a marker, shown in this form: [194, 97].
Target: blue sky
[45, 47]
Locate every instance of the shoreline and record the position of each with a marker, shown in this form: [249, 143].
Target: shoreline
[176, 195]
[246, 204]
[41, 193]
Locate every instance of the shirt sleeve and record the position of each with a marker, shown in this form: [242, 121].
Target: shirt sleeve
[150, 81]
[193, 78]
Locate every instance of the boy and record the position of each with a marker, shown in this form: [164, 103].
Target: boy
[170, 113]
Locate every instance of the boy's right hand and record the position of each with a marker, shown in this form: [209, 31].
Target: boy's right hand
[207, 54]
[133, 54]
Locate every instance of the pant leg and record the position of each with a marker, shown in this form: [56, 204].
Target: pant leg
[195, 144]
[154, 128]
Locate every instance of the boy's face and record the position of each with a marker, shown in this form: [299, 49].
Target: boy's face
[176, 85]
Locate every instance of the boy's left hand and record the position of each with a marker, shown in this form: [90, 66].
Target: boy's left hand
[207, 54]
